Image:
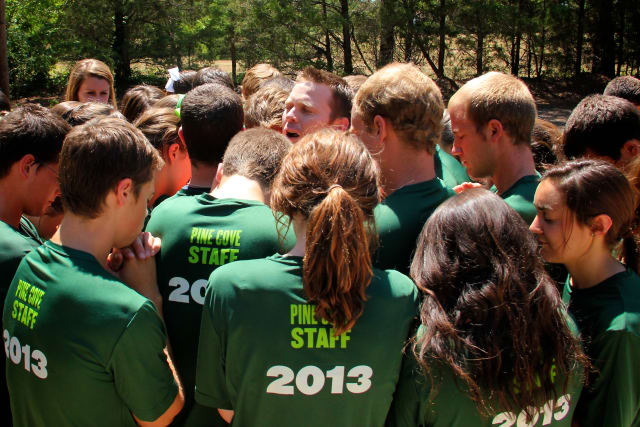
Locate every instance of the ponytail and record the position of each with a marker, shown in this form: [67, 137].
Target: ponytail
[337, 263]
[329, 179]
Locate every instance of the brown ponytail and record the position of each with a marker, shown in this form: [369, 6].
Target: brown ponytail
[330, 179]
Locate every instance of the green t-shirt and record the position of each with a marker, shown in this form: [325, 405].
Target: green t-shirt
[264, 355]
[451, 404]
[82, 348]
[14, 245]
[448, 169]
[608, 316]
[200, 233]
[520, 196]
[399, 221]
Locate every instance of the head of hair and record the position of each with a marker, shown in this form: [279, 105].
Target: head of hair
[330, 180]
[5, 105]
[281, 82]
[213, 75]
[446, 138]
[256, 154]
[491, 314]
[355, 82]
[592, 188]
[211, 115]
[501, 97]
[545, 139]
[96, 156]
[160, 126]
[139, 99]
[602, 124]
[410, 100]
[169, 101]
[627, 87]
[266, 107]
[185, 83]
[86, 111]
[341, 93]
[64, 107]
[89, 68]
[257, 75]
[30, 129]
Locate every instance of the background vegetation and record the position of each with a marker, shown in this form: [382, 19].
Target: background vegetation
[453, 39]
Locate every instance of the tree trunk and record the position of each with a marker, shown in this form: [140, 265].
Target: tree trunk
[479, 54]
[387, 24]
[346, 37]
[327, 38]
[604, 45]
[577, 68]
[234, 59]
[622, 9]
[408, 42]
[4, 60]
[442, 30]
[121, 49]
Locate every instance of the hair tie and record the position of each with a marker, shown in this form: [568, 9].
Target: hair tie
[333, 186]
[174, 76]
[179, 106]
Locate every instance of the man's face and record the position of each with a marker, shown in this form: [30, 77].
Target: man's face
[43, 189]
[469, 144]
[307, 109]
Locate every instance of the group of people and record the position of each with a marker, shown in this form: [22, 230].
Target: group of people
[319, 251]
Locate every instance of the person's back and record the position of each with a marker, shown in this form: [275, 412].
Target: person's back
[201, 233]
[318, 330]
[496, 345]
[84, 348]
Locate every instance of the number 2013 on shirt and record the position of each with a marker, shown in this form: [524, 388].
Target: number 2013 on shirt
[311, 380]
[15, 352]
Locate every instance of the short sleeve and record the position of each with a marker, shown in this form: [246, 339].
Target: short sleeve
[142, 375]
[211, 385]
[612, 398]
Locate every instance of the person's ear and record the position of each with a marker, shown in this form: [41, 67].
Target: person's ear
[629, 150]
[218, 177]
[173, 150]
[124, 191]
[381, 127]
[600, 225]
[181, 135]
[27, 165]
[495, 131]
[341, 123]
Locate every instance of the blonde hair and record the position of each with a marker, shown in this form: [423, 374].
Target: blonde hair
[255, 76]
[89, 68]
[410, 100]
[502, 97]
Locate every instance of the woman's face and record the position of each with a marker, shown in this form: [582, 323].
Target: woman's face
[562, 239]
[94, 89]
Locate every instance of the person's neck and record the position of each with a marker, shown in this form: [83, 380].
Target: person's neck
[515, 162]
[85, 234]
[11, 207]
[300, 230]
[593, 268]
[239, 187]
[403, 166]
[202, 175]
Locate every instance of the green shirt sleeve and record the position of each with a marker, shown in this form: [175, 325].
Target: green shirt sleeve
[613, 397]
[141, 373]
[211, 384]
[405, 408]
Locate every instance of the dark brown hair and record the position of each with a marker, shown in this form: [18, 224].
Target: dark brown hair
[329, 179]
[211, 115]
[545, 140]
[601, 124]
[160, 126]
[256, 154]
[213, 75]
[138, 99]
[96, 156]
[627, 87]
[491, 314]
[595, 187]
[341, 93]
[30, 129]
[185, 83]
[85, 111]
